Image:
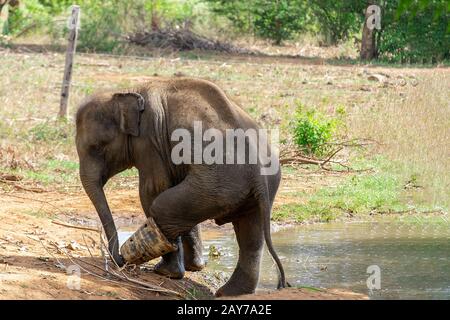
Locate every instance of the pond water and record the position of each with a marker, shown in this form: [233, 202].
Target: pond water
[400, 259]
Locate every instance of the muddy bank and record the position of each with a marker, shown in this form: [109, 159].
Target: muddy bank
[302, 294]
[36, 254]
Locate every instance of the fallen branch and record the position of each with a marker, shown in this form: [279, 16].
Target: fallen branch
[181, 39]
[37, 200]
[135, 283]
[125, 280]
[19, 187]
[68, 225]
[331, 156]
[291, 156]
[121, 269]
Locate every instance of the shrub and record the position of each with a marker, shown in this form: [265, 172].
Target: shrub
[279, 20]
[29, 14]
[275, 20]
[337, 20]
[100, 25]
[414, 34]
[313, 131]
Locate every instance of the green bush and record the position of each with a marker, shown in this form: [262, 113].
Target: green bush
[31, 13]
[314, 131]
[337, 20]
[279, 20]
[100, 25]
[275, 20]
[413, 33]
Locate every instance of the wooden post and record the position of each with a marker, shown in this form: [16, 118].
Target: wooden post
[71, 47]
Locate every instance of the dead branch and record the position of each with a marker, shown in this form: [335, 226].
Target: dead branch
[292, 156]
[121, 269]
[37, 200]
[19, 187]
[68, 225]
[181, 39]
[125, 280]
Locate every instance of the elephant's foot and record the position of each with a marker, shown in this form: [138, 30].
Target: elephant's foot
[196, 264]
[241, 282]
[233, 289]
[170, 270]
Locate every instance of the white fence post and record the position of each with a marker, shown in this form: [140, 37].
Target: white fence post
[71, 47]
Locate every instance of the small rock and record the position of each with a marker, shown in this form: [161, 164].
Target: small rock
[402, 82]
[44, 259]
[376, 77]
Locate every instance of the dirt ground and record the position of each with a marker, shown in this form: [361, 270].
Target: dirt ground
[36, 252]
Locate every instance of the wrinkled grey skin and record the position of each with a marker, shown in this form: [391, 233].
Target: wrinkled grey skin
[116, 131]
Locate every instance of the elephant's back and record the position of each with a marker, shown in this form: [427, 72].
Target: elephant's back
[190, 100]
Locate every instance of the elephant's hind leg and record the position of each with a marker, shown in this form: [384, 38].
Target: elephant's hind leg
[171, 264]
[250, 237]
[192, 248]
[188, 257]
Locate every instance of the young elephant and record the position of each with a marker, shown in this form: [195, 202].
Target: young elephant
[116, 131]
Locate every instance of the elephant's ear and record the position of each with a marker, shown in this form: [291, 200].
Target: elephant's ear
[131, 105]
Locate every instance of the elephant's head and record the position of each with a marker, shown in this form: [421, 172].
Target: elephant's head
[105, 124]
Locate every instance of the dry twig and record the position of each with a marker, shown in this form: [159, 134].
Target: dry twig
[68, 225]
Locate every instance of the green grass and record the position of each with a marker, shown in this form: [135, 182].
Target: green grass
[379, 191]
[309, 288]
[52, 131]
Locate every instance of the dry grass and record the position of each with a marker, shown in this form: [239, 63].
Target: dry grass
[269, 88]
[413, 127]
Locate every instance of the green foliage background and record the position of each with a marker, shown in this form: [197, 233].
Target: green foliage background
[412, 30]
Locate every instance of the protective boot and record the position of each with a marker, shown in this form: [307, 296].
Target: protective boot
[147, 243]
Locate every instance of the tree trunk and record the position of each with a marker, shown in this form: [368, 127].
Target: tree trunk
[368, 43]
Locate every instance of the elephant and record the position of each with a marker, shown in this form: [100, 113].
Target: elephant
[133, 127]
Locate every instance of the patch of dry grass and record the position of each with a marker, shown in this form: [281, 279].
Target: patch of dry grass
[269, 88]
[413, 127]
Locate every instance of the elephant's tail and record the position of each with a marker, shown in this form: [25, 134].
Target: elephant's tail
[265, 209]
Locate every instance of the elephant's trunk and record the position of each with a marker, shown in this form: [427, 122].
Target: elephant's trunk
[93, 181]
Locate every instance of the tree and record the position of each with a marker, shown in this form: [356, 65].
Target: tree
[277, 20]
[241, 14]
[372, 18]
[280, 19]
[337, 19]
[414, 31]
